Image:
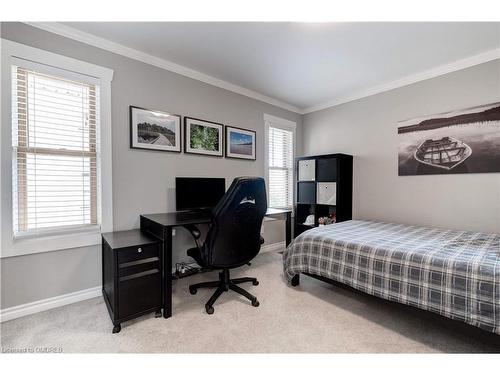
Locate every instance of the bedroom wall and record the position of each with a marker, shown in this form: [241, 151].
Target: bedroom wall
[367, 129]
[143, 181]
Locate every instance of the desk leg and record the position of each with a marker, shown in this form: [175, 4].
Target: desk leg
[167, 270]
[288, 228]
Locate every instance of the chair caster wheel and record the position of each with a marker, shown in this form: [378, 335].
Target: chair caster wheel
[210, 310]
[158, 314]
[255, 282]
[192, 290]
[255, 303]
[117, 328]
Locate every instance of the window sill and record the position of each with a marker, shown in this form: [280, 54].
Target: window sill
[57, 232]
[292, 214]
[41, 243]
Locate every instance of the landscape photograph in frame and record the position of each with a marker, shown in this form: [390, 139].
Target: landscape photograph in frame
[203, 137]
[240, 143]
[154, 130]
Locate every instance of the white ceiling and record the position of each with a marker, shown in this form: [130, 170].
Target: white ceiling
[306, 65]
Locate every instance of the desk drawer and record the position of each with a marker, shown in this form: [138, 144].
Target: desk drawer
[139, 292]
[138, 253]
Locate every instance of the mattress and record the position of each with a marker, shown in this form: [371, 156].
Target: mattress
[452, 273]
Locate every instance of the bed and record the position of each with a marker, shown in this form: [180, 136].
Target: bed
[452, 273]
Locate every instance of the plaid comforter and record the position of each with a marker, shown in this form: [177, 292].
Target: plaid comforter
[452, 273]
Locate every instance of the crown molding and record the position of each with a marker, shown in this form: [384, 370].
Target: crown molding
[105, 44]
[413, 78]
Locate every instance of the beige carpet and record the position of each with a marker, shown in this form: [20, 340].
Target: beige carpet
[315, 317]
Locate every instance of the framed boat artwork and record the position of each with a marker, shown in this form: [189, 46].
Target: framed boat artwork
[462, 141]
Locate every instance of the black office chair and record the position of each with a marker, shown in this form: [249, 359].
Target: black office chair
[233, 238]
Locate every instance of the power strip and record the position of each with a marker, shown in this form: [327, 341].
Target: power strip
[184, 270]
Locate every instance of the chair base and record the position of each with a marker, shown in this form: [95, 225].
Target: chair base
[223, 285]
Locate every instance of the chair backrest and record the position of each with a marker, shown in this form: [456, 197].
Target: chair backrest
[234, 235]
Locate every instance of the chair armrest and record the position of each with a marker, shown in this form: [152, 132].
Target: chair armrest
[193, 229]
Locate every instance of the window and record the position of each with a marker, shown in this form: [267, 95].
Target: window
[280, 154]
[58, 174]
[55, 152]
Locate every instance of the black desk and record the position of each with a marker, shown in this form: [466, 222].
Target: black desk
[161, 225]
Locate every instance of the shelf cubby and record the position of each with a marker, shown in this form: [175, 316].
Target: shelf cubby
[306, 192]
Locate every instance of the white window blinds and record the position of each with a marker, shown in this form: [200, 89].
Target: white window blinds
[55, 132]
[280, 163]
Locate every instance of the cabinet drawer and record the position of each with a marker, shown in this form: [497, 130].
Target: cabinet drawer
[137, 253]
[138, 266]
[307, 170]
[138, 294]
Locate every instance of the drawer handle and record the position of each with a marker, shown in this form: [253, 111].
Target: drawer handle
[139, 250]
[140, 274]
[137, 262]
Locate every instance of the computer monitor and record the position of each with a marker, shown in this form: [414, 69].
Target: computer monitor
[193, 193]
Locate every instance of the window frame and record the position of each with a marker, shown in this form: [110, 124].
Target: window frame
[65, 238]
[281, 123]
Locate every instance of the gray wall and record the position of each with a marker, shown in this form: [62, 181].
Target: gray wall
[367, 128]
[143, 181]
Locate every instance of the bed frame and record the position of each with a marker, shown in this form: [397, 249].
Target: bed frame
[467, 329]
[296, 280]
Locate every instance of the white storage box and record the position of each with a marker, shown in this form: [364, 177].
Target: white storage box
[326, 193]
[307, 170]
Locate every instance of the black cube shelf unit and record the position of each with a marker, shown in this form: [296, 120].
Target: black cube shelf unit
[323, 187]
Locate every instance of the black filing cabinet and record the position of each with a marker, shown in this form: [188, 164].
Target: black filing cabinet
[131, 275]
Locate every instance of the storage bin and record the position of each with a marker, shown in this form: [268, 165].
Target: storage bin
[307, 170]
[326, 193]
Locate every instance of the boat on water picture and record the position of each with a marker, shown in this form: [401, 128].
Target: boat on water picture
[462, 141]
[445, 153]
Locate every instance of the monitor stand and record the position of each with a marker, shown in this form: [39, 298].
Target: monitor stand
[197, 210]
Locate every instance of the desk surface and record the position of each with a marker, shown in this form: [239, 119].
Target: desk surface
[128, 238]
[170, 219]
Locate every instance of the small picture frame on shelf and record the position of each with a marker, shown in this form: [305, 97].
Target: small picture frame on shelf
[203, 137]
[240, 143]
[154, 130]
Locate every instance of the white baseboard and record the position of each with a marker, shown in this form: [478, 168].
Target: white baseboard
[49, 303]
[66, 299]
[278, 246]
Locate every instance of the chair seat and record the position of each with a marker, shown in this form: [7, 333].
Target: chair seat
[195, 253]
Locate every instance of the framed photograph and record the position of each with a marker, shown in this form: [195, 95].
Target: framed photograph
[203, 137]
[461, 141]
[240, 143]
[154, 130]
